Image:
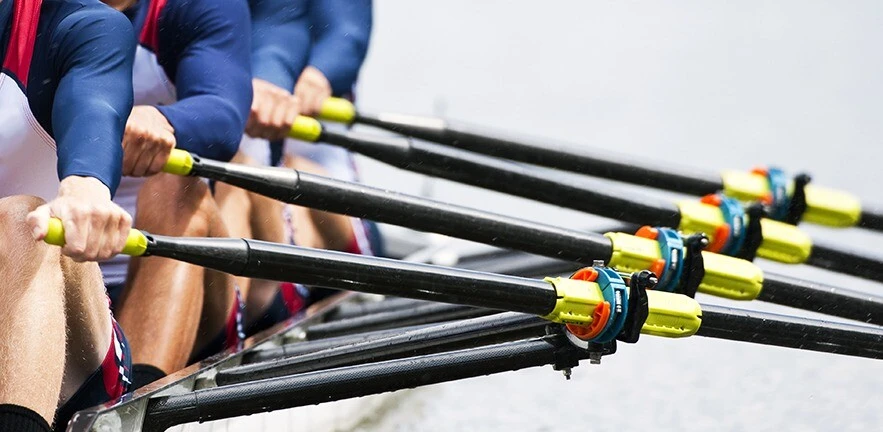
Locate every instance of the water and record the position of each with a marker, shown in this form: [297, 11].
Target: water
[698, 83]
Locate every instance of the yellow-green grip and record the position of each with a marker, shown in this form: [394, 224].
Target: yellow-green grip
[725, 276]
[781, 242]
[136, 243]
[180, 163]
[671, 315]
[306, 129]
[337, 110]
[823, 206]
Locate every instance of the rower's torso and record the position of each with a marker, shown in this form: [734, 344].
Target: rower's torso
[27, 151]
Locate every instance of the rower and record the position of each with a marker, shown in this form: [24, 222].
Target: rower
[192, 91]
[315, 48]
[65, 93]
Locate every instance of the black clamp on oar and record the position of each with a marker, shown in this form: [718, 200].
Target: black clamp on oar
[753, 232]
[797, 204]
[639, 307]
[779, 204]
[694, 265]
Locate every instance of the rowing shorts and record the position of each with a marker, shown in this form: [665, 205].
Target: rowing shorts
[233, 334]
[108, 383]
[231, 337]
[290, 299]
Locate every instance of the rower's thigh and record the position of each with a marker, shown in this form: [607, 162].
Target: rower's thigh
[86, 310]
[175, 205]
[88, 318]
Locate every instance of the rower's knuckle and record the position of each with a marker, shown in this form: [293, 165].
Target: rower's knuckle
[76, 248]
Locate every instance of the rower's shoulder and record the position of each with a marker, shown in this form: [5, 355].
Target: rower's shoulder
[200, 18]
[205, 9]
[67, 26]
[60, 9]
[80, 17]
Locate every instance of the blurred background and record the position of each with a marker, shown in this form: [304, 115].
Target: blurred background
[702, 84]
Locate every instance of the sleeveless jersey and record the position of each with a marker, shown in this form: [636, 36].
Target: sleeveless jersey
[28, 156]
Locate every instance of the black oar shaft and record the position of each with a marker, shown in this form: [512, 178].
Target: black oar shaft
[359, 309]
[791, 332]
[417, 213]
[422, 314]
[582, 161]
[872, 219]
[846, 260]
[263, 260]
[506, 177]
[353, 381]
[476, 330]
[313, 345]
[817, 297]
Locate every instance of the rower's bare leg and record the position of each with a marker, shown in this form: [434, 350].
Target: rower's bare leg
[55, 330]
[88, 323]
[249, 215]
[161, 306]
[267, 224]
[236, 209]
[220, 297]
[32, 327]
[333, 231]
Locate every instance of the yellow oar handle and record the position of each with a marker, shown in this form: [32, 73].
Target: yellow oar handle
[136, 243]
[823, 206]
[725, 276]
[306, 129]
[781, 242]
[180, 163]
[670, 315]
[337, 110]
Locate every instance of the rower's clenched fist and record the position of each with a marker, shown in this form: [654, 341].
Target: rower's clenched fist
[147, 143]
[273, 111]
[95, 228]
[311, 90]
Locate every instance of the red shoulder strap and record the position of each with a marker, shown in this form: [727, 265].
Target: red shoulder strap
[150, 30]
[25, 17]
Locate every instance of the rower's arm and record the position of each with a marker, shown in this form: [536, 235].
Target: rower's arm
[280, 40]
[96, 49]
[341, 32]
[212, 69]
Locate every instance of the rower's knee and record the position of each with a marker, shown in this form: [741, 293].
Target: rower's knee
[20, 250]
[175, 205]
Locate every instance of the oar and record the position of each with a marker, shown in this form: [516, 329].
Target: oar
[597, 304]
[364, 379]
[823, 206]
[716, 274]
[508, 326]
[778, 241]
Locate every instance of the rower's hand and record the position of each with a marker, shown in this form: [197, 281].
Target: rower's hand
[311, 90]
[147, 143]
[95, 228]
[273, 111]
